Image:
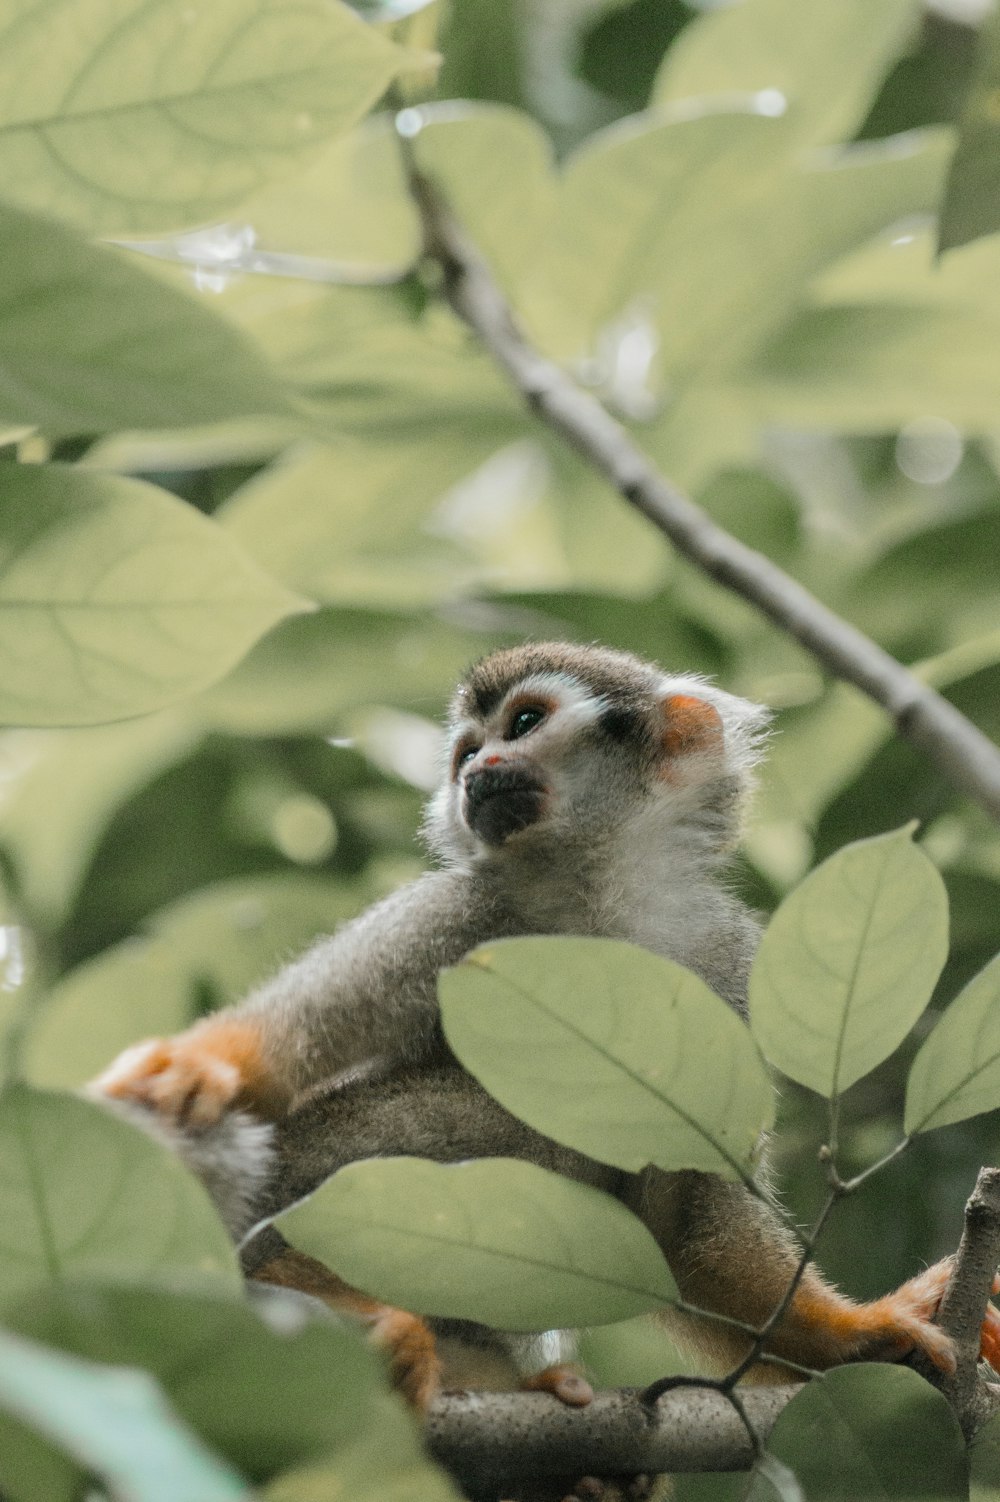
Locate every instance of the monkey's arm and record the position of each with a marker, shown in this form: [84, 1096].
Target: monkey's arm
[731, 1255]
[368, 993]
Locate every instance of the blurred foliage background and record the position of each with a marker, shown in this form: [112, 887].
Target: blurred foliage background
[663, 191]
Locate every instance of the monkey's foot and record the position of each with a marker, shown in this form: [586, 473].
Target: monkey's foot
[194, 1078]
[406, 1339]
[563, 1382]
[414, 1365]
[891, 1327]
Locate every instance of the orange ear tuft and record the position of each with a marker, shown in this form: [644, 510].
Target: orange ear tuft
[692, 725]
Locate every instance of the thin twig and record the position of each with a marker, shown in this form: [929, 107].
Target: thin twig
[959, 750]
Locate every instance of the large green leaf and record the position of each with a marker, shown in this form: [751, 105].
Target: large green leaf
[115, 598]
[267, 1391]
[870, 1431]
[151, 115]
[957, 1071]
[91, 343]
[495, 1239]
[611, 1050]
[220, 941]
[971, 204]
[849, 962]
[85, 1193]
[112, 1420]
[645, 230]
[821, 62]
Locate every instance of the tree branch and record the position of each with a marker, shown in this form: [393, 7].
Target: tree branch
[959, 750]
[490, 1441]
[964, 1304]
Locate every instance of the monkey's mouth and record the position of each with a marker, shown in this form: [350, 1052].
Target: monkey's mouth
[501, 801]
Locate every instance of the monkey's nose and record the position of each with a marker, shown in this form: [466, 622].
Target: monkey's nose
[502, 798]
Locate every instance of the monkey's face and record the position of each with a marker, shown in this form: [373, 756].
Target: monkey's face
[555, 748]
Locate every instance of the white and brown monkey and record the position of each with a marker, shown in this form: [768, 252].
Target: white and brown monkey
[587, 792]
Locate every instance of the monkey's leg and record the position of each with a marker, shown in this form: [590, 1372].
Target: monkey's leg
[414, 1367]
[439, 1113]
[731, 1254]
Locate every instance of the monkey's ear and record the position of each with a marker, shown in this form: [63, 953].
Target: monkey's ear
[691, 726]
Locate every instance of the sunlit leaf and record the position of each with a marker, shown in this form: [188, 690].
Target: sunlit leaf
[644, 234]
[85, 1193]
[221, 940]
[112, 1420]
[267, 1389]
[820, 62]
[152, 116]
[494, 1239]
[849, 962]
[496, 167]
[115, 598]
[871, 1430]
[350, 206]
[611, 1050]
[92, 343]
[956, 1074]
[351, 524]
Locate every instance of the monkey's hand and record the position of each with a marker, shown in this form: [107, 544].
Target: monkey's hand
[889, 1328]
[194, 1078]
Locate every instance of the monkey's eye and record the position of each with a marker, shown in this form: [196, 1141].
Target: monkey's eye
[525, 720]
[465, 753]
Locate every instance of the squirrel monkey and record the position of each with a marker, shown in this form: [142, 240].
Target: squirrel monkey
[586, 792]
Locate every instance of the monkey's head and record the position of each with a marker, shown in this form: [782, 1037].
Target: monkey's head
[555, 747]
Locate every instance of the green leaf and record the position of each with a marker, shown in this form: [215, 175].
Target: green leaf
[116, 599]
[144, 116]
[113, 1421]
[496, 168]
[971, 204]
[849, 962]
[351, 524]
[495, 1239]
[611, 1050]
[86, 1193]
[223, 939]
[644, 231]
[265, 1388]
[350, 205]
[385, 1462]
[870, 1431]
[94, 344]
[308, 673]
[823, 61]
[873, 368]
[956, 1074]
[984, 1462]
[63, 788]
